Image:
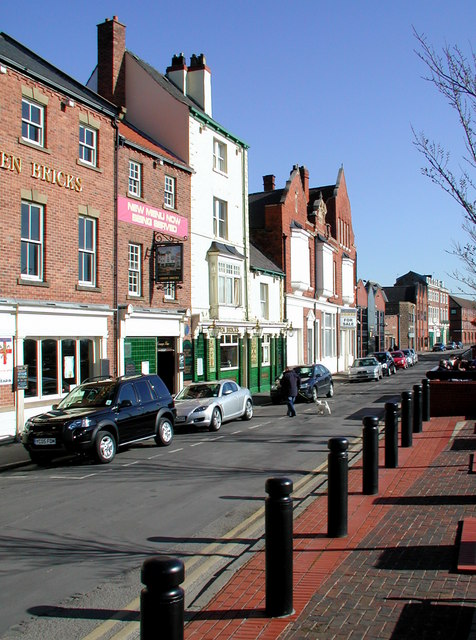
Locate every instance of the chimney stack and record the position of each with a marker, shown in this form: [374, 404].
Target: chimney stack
[111, 73]
[305, 181]
[269, 182]
[177, 72]
[199, 83]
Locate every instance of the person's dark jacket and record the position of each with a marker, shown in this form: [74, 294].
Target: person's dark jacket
[290, 383]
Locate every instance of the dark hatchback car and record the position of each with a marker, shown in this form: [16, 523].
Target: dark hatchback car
[387, 362]
[99, 416]
[316, 380]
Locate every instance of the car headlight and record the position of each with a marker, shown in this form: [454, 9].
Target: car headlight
[304, 385]
[28, 425]
[201, 408]
[81, 423]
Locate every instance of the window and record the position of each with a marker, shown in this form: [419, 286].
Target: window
[87, 251]
[219, 156]
[264, 300]
[329, 335]
[265, 350]
[87, 145]
[134, 269]
[220, 219]
[169, 291]
[169, 194]
[53, 364]
[135, 179]
[229, 284]
[32, 122]
[31, 241]
[229, 351]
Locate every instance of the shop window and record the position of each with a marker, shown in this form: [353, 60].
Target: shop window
[265, 350]
[229, 352]
[52, 365]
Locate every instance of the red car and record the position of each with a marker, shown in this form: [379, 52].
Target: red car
[400, 359]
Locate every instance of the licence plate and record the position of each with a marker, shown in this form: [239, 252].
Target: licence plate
[180, 419]
[43, 441]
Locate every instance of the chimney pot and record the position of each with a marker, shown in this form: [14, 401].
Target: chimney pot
[269, 182]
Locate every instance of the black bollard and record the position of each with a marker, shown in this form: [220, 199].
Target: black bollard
[407, 419]
[370, 455]
[337, 487]
[391, 435]
[417, 412]
[279, 547]
[425, 383]
[162, 600]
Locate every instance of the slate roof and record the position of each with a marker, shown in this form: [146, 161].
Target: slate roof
[464, 302]
[145, 142]
[259, 262]
[13, 54]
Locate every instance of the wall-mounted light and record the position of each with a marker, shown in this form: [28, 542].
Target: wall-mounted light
[3, 69]
[290, 330]
[258, 329]
[213, 330]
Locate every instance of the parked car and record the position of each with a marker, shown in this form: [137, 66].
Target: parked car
[209, 404]
[400, 359]
[387, 362]
[99, 416]
[316, 380]
[409, 356]
[415, 355]
[368, 368]
[450, 345]
[459, 344]
[439, 346]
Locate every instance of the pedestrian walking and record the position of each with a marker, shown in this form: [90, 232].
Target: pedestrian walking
[290, 384]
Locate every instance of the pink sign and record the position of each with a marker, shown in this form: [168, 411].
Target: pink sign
[155, 219]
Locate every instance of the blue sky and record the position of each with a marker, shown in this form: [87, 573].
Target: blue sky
[308, 82]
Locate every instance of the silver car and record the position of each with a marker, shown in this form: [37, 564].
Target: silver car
[368, 368]
[208, 404]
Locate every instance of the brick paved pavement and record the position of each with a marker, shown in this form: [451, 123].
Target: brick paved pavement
[393, 576]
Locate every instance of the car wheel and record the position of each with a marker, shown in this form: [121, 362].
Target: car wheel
[105, 447]
[330, 393]
[248, 413]
[215, 422]
[41, 459]
[314, 394]
[165, 432]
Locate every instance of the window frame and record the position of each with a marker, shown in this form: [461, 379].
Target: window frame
[265, 350]
[29, 242]
[134, 188]
[220, 218]
[30, 124]
[134, 280]
[84, 251]
[83, 145]
[230, 343]
[169, 194]
[230, 292]
[264, 300]
[170, 291]
[220, 156]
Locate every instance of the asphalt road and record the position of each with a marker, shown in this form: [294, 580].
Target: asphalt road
[77, 531]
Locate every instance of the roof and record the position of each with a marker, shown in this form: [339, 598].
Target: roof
[175, 92]
[463, 302]
[259, 262]
[18, 57]
[142, 141]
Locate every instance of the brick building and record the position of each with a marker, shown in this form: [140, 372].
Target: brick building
[57, 244]
[463, 320]
[371, 301]
[307, 232]
[400, 325]
[414, 290]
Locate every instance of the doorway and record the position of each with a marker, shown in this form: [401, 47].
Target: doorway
[166, 362]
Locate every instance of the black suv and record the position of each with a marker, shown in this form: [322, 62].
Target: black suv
[99, 416]
[387, 362]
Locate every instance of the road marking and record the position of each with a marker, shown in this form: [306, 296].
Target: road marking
[176, 450]
[129, 464]
[196, 444]
[254, 426]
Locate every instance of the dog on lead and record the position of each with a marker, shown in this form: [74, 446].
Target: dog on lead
[323, 408]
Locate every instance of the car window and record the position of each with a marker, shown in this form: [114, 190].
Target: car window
[305, 372]
[228, 388]
[126, 392]
[321, 370]
[158, 387]
[90, 395]
[143, 391]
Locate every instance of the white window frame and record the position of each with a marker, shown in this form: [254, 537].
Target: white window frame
[230, 340]
[329, 335]
[220, 218]
[135, 269]
[266, 350]
[170, 291]
[264, 300]
[88, 149]
[169, 192]
[85, 253]
[34, 245]
[219, 156]
[230, 284]
[135, 179]
[31, 125]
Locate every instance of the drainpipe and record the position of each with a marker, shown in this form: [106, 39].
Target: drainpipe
[285, 278]
[115, 250]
